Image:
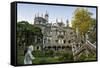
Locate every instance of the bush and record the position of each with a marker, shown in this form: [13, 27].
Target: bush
[66, 57]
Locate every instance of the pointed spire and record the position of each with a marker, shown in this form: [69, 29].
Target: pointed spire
[46, 12]
[46, 16]
[42, 15]
[38, 14]
[51, 24]
[56, 20]
[35, 15]
[67, 23]
[61, 20]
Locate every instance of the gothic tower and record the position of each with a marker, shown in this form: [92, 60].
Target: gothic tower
[46, 16]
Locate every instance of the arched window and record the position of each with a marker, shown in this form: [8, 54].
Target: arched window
[69, 41]
[64, 41]
[37, 47]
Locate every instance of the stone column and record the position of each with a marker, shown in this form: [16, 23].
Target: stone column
[86, 36]
[35, 39]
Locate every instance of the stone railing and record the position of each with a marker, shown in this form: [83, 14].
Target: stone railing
[86, 46]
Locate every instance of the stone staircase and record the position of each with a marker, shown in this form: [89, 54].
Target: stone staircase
[87, 46]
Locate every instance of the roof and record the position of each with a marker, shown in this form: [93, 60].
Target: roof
[40, 19]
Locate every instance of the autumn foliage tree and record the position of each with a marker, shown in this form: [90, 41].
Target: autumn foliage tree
[82, 20]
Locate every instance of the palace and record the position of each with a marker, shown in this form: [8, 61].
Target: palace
[56, 36]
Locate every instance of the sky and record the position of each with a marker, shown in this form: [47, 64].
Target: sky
[27, 12]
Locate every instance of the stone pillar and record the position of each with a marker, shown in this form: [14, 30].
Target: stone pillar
[35, 39]
[74, 50]
[86, 36]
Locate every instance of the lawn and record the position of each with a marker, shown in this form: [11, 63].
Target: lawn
[41, 58]
[50, 57]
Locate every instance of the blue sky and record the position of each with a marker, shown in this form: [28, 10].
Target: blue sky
[27, 12]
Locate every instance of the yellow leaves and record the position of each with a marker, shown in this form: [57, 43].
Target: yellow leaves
[81, 19]
[84, 27]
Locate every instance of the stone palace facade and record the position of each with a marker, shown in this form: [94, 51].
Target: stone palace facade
[60, 37]
[56, 36]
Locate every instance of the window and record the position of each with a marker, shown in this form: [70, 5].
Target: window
[56, 41]
[71, 32]
[37, 47]
[69, 41]
[64, 41]
[49, 40]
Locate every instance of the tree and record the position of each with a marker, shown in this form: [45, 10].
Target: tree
[26, 33]
[82, 20]
[21, 32]
[92, 31]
